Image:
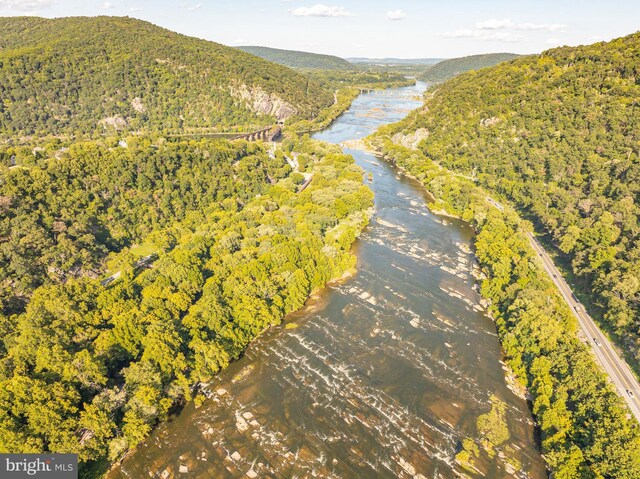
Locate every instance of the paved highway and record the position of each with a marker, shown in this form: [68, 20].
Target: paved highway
[614, 365]
[617, 369]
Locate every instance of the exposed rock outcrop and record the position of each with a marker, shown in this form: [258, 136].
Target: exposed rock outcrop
[137, 105]
[412, 140]
[115, 122]
[263, 103]
[487, 122]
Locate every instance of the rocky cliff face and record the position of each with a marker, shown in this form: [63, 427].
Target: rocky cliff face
[263, 103]
[410, 141]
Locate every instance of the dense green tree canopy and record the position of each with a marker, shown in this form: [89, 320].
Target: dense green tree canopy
[133, 267]
[585, 429]
[296, 59]
[558, 134]
[64, 213]
[446, 69]
[88, 75]
[90, 368]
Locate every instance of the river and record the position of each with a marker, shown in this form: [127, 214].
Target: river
[383, 375]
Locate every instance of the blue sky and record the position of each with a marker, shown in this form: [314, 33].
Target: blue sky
[375, 28]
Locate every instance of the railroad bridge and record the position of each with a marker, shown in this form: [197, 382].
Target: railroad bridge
[269, 133]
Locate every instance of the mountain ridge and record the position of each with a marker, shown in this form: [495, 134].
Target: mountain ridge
[298, 59]
[395, 61]
[555, 135]
[451, 67]
[93, 74]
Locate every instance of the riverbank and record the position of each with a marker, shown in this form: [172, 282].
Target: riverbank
[343, 100]
[546, 357]
[231, 278]
[362, 386]
[359, 144]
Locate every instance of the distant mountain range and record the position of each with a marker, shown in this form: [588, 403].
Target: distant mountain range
[395, 61]
[88, 75]
[297, 59]
[446, 69]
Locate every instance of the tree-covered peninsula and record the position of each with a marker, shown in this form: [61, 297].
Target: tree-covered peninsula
[239, 240]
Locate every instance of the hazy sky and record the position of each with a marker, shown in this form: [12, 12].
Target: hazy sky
[374, 28]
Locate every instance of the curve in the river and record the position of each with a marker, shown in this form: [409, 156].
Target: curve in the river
[385, 374]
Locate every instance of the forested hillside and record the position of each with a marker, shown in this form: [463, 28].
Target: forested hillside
[446, 69]
[62, 215]
[89, 368]
[296, 59]
[91, 75]
[559, 135]
[393, 62]
[585, 429]
[232, 239]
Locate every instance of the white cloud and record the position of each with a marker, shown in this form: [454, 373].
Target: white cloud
[189, 6]
[25, 5]
[548, 27]
[502, 30]
[494, 24]
[553, 41]
[107, 5]
[396, 14]
[483, 35]
[320, 10]
[135, 9]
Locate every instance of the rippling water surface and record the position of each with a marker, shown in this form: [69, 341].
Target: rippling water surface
[384, 375]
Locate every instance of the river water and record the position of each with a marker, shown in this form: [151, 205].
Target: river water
[384, 374]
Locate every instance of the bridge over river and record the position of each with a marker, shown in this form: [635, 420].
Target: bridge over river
[268, 133]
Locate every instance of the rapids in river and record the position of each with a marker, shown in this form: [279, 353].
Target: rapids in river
[384, 374]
